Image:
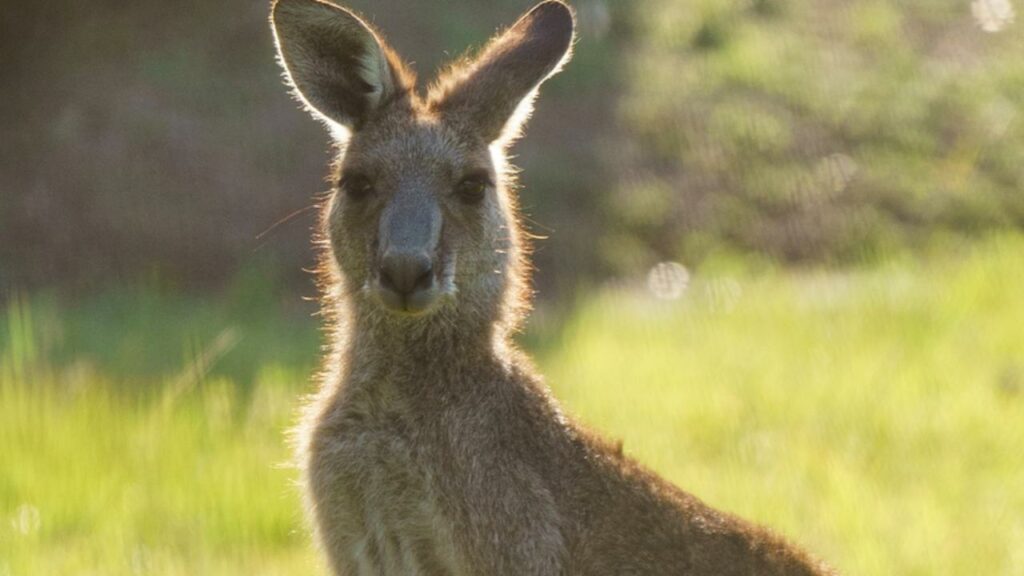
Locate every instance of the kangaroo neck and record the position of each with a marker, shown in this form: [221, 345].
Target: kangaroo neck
[422, 350]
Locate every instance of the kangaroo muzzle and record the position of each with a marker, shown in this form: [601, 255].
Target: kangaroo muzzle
[409, 237]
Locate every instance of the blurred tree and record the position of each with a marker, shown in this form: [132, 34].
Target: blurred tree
[815, 130]
[156, 138]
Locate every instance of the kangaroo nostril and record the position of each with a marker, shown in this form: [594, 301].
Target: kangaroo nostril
[386, 281]
[406, 273]
[425, 280]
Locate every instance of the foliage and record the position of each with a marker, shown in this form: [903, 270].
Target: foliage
[873, 415]
[816, 131]
[158, 138]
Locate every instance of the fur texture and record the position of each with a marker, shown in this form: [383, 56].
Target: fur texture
[432, 446]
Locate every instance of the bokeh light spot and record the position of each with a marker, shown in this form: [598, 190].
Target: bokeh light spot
[26, 520]
[992, 15]
[668, 280]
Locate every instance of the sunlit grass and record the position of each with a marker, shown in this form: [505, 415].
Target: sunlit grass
[127, 469]
[876, 416]
[183, 481]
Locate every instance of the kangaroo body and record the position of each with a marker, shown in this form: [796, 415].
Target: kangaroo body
[432, 447]
[486, 476]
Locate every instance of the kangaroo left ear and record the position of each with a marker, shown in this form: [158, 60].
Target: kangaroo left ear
[494, 93]
[338, 65]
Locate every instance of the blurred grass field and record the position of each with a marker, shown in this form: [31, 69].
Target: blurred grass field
[875, 415]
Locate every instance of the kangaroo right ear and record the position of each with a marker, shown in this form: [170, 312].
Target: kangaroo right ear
[494, 93]
[337, 65]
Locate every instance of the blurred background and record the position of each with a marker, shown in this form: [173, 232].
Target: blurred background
[782, 262]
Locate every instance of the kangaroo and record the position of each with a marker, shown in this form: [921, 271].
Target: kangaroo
[432, 446]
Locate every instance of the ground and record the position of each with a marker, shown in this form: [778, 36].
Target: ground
[875, 415]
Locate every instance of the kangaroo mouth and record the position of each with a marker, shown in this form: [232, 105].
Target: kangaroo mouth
[417, 293]
[417, 303]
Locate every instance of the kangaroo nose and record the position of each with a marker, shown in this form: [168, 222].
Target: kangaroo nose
[406, 272]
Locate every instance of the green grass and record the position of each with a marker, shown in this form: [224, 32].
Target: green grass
[876, 415]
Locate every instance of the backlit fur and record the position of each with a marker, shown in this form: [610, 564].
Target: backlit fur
[432, 446]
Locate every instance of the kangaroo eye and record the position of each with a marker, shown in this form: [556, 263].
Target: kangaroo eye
[356, 186]
[473, 188]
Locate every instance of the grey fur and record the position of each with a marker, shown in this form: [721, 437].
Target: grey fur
[432, 446]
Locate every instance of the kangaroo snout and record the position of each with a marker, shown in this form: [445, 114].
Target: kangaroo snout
[406, 281]
[407, 270]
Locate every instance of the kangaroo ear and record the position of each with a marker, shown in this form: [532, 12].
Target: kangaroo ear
[494, 93]
[337, 65]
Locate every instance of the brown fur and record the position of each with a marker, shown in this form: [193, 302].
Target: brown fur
[432, 446]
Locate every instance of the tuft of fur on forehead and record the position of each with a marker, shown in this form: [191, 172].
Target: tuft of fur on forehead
[343, 71]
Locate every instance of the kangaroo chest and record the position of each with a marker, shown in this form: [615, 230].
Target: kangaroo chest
[377, 494]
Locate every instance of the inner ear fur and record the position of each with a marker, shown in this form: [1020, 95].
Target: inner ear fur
[493, 93]
[339, 66]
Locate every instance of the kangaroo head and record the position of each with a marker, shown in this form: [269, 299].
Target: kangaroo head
[421, 217]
